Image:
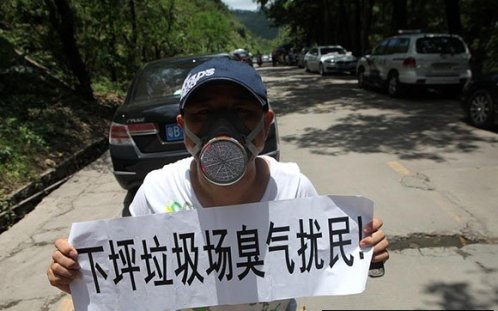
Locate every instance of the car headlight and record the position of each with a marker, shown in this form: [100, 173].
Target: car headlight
[330, 61]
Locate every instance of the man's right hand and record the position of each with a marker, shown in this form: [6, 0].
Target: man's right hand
[64, 267]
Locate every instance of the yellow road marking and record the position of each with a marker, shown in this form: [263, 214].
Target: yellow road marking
[398, 168]
[442, 204]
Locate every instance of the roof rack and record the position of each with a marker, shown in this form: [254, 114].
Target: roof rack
[408, 31]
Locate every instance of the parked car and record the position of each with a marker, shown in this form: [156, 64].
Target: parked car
[416, 59]
[300, 57]
[144, 134]
[243, 56]
[480, 100]
[279, 54]
[330, 58]
[291, 57]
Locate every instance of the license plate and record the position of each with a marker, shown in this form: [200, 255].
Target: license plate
[173, 132]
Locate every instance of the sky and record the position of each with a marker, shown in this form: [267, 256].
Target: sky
[241, 4]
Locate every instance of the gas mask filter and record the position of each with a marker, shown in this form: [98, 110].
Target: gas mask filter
[225, 147]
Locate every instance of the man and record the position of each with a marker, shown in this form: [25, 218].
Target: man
[226, 117]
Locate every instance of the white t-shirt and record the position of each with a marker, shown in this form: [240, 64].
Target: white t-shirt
[169, 189]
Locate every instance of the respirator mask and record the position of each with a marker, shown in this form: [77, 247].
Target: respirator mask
[224, 146]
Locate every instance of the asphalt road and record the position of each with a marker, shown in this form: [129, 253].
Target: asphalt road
[433, 179]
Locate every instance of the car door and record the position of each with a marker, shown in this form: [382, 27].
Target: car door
[383, 60]
[377, 61]
[312, 59]
[393, 56]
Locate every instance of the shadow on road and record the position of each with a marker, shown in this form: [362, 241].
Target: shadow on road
[425, 125]
[457, 296]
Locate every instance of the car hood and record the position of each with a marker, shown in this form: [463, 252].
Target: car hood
[343, 57]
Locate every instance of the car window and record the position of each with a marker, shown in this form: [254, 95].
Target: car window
[440, 45]
[314, 51]
[161, 80]
[391, 46]
[397, 45]
[381, 48]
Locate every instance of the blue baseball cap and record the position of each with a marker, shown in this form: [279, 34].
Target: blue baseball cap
[221, 69]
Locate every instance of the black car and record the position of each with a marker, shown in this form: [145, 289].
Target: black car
[144, 134]
[242, 56]
[480, 100]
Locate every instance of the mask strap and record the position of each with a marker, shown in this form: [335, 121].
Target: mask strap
[253, 135]
[195, 139]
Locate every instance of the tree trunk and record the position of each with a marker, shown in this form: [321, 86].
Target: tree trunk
[134, 34]
[61, 18]
[343, 29]
[418, 15]
[325, 34]
[453, 16]
[133, 21]
[356, 47]
[111, 18]
[398, 20]
[367, 12]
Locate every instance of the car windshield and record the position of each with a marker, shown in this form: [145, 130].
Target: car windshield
[333, 50]
[440, 45]
[162, 80]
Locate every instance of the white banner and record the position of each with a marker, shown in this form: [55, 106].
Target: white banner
[221, 256]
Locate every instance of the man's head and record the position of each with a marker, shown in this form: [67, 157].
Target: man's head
[225, 116]
[223, 69]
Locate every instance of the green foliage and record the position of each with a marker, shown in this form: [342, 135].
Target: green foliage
[40, 120]
[115, 37]
[16, 143]
[257, 23]
[7, 216]
[7, 53]
[490, 63]
[480, 24]
[104, 85]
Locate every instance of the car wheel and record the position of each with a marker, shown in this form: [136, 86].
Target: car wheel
[361, 78]
[321, 69]
[393, 85]
[481, 109]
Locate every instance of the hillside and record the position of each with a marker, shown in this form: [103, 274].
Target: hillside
[257, 23]
[42, 125]
[43, 122]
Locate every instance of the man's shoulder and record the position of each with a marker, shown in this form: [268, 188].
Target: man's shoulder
[288, 181]
[170, 169]
[277, 167]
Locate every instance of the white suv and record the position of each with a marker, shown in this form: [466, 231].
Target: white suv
[420, 59]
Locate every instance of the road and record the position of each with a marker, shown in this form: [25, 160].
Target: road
[433, 179]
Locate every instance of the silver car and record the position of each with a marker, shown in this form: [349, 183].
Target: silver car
[328, 59]
[416, 59]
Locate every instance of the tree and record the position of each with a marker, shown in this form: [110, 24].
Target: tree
[398, 20]
[61, 18]
[453, 16]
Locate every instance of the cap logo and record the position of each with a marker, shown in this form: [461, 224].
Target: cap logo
[192, 80]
